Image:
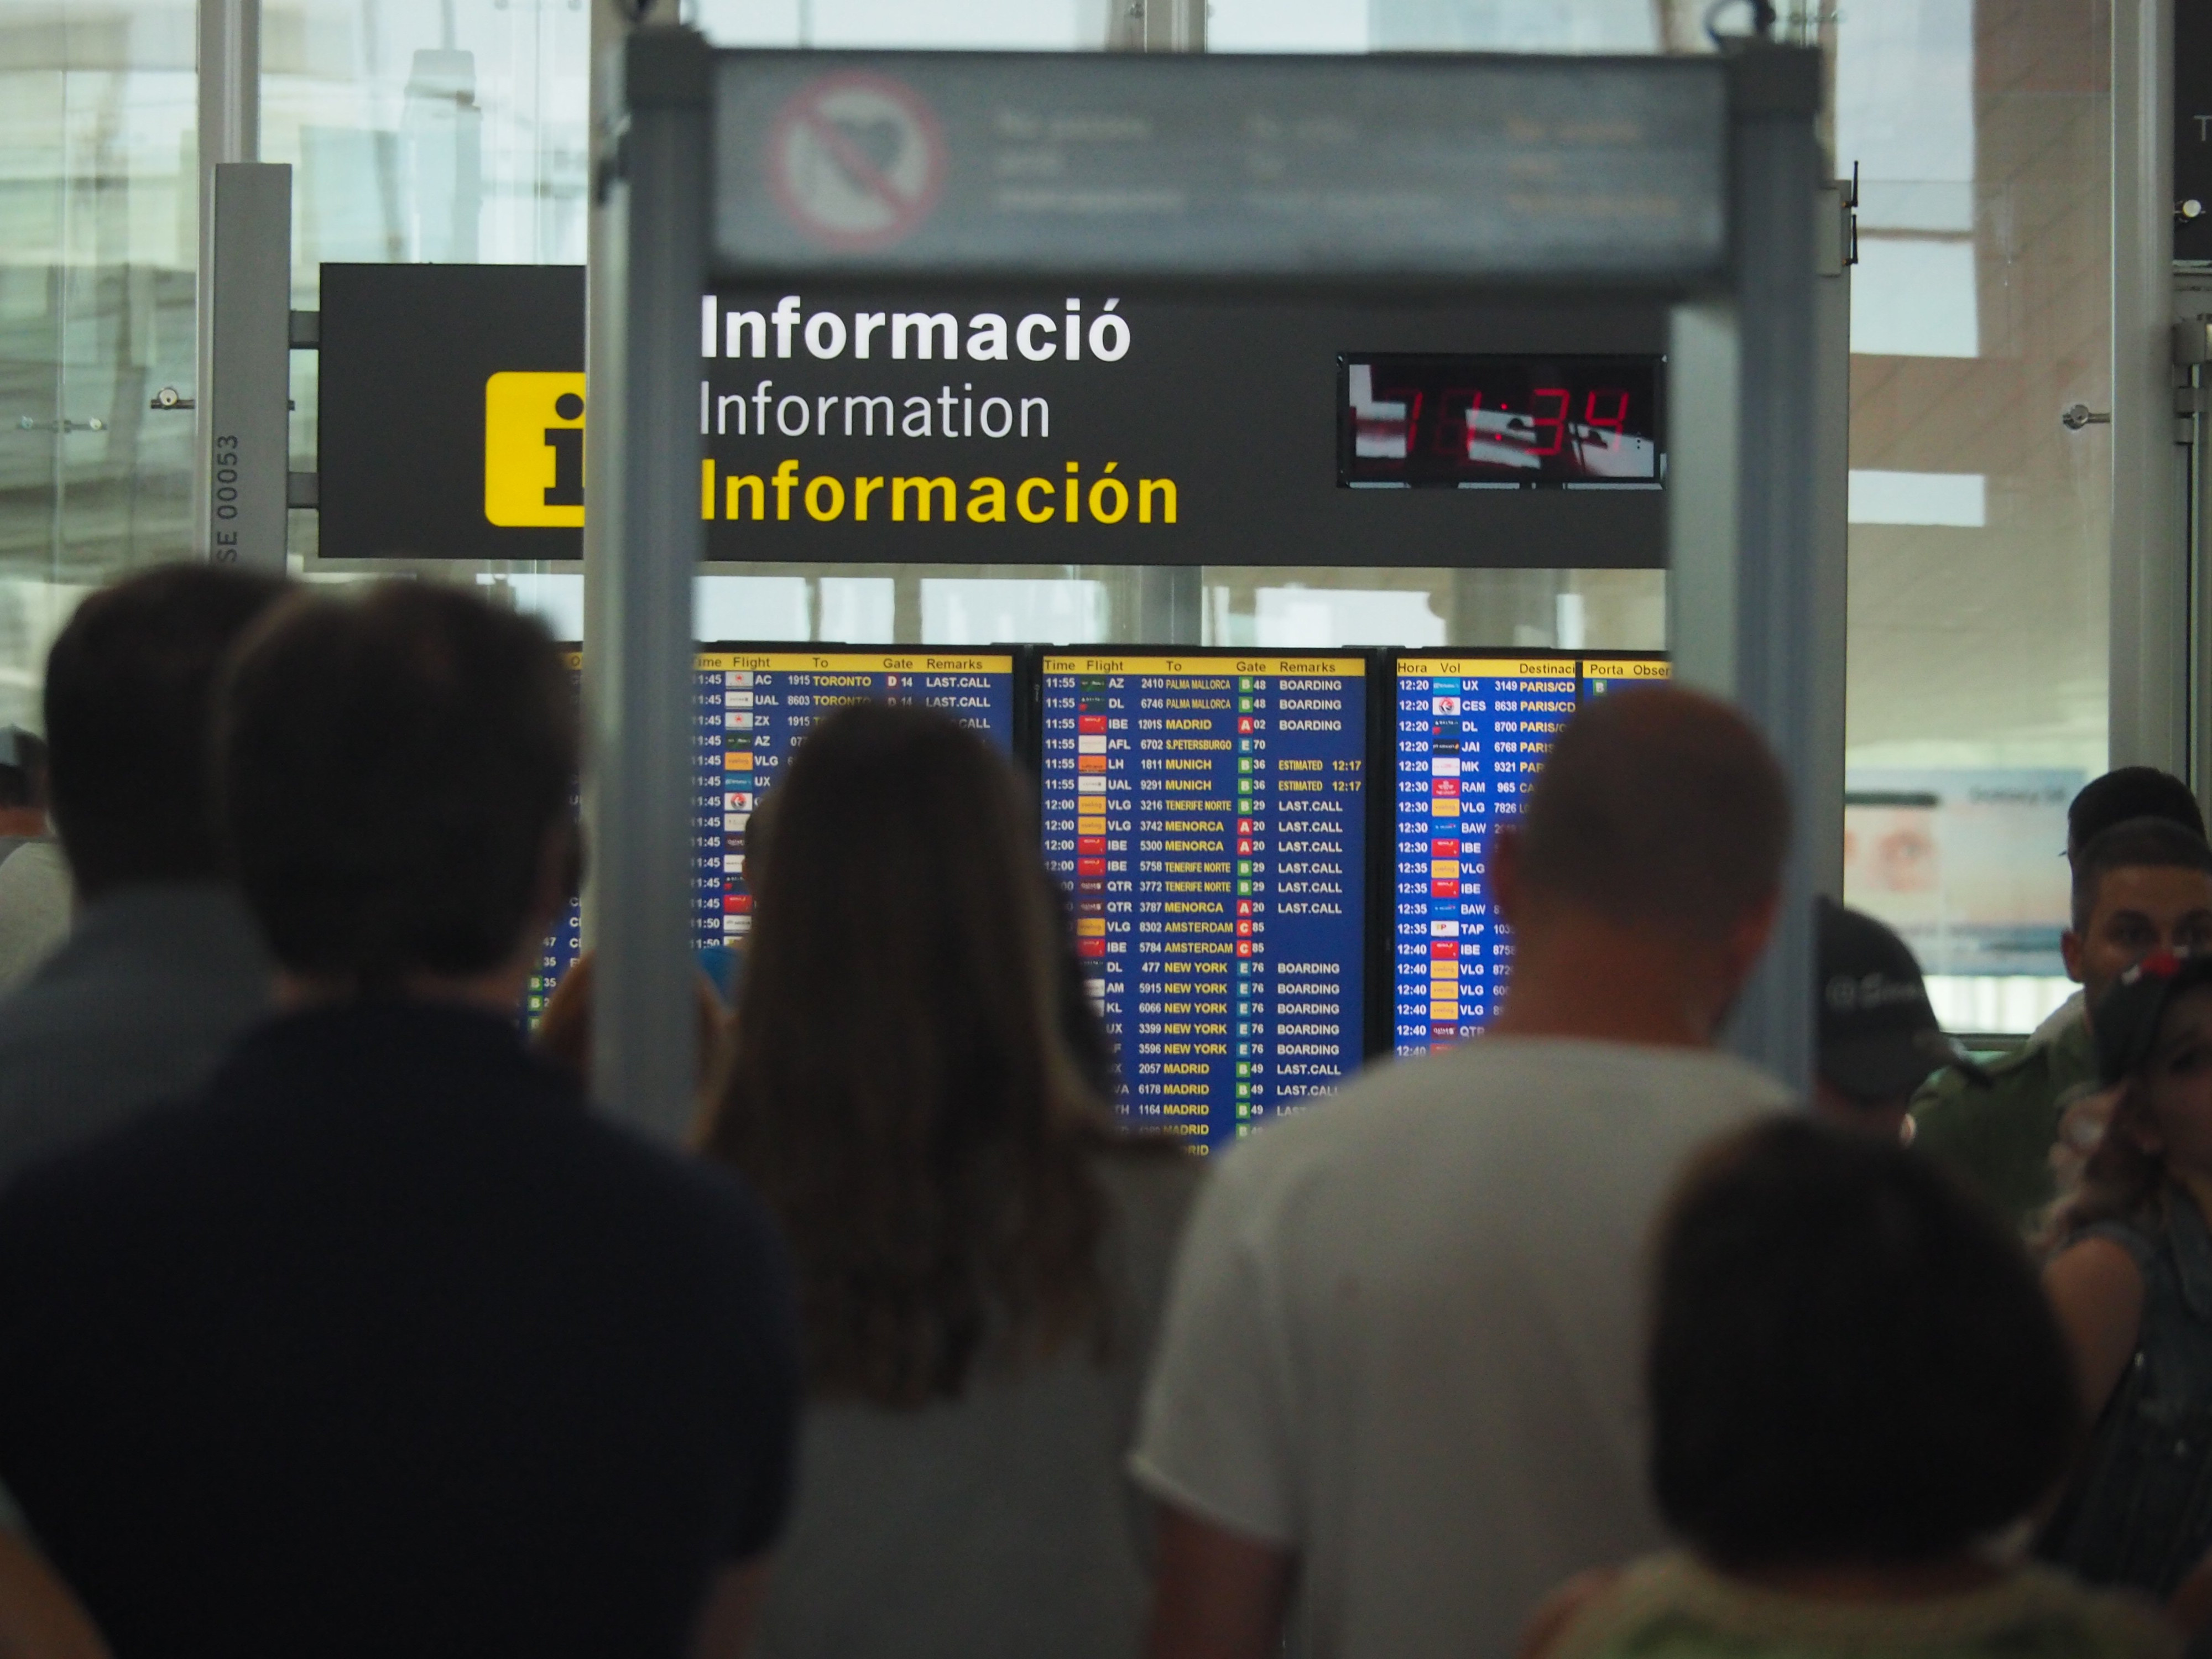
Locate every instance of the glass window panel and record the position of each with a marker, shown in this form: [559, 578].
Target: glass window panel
[1978, 542]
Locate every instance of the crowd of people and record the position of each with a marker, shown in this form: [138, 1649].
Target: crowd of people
[334, 1320]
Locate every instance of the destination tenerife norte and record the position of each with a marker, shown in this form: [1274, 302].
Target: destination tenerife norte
[871, 395]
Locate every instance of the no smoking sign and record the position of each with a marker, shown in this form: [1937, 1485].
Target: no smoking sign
[856, 160]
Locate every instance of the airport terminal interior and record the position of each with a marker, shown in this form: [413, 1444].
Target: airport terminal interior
[1371, 828]
[434, 138]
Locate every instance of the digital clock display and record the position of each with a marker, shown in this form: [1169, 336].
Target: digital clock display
[1498, 422]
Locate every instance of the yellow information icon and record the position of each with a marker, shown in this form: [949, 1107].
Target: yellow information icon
[534, 450]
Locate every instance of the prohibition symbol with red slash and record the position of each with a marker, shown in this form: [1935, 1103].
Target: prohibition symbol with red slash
[856, 160]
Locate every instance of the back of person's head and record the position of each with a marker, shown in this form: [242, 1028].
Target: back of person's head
[23, 770]
[900, 1092]
[130, 698]
[2126, 793]
[395, 771]
[1658, 807]
[1851, 1361]
[2145, 843]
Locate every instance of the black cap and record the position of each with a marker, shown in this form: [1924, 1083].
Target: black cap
[1880, 1037]
[2126, 1018]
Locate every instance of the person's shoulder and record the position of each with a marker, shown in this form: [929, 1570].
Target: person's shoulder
[2027, 1070]
[680, 1203]
[2104, 1623]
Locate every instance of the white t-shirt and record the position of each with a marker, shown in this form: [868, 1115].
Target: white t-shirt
[1404, 1334]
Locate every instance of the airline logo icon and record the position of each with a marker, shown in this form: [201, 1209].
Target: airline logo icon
[534, 450]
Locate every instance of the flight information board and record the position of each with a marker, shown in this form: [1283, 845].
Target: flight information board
[1207, 813]
[755, 705]
[1471, 734]
[752, 708]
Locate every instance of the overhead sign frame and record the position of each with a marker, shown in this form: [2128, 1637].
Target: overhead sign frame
[1691, 182]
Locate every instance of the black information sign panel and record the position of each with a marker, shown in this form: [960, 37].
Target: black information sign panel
[1076, 425]
[2192, 134]
[413, 362]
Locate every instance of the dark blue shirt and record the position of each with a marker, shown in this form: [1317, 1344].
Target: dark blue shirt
[384, 1345]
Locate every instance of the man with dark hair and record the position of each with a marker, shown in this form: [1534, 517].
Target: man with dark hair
[1398, 1376]
[2139, 886]
[163, 967]
[35, 884]
[2127, 793]
[382, 1342]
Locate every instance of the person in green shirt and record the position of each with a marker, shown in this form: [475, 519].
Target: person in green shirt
[2139, 886]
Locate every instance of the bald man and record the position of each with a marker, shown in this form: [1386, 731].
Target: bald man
[1398, 1381]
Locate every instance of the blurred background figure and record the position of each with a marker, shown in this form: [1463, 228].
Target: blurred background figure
[1878, 1039]
[980, 1258]
[2140, 885]
[2132, 1282]
[1855, 1386]
[163, 967]
[399, 1347]
[35, 884]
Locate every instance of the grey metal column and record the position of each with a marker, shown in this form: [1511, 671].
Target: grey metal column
[1744, 594]
[242, 420]
[641, 470]
[1171, 605]
[1155, 25]
[229, 130]
[2149, 661]
[1820, 815]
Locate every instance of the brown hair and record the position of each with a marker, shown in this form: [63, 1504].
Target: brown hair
[899, 1092]
[1659, 805]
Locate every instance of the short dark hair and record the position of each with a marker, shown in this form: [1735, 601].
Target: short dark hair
[391, 765]
[130, 699]
[23, 778]
[2137, 844]
[2126, 793]
[1659, 805]
[1851, 1361]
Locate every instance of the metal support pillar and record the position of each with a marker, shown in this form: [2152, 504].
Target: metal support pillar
[242, 412]
[229, 130]
[1171, 605]
[1155, 25]
[1820, 817]
[643, 453]
[1742, 595]
[2148, 665]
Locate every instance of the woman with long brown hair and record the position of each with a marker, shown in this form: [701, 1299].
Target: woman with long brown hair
[2131, 1280]
[980, 1258]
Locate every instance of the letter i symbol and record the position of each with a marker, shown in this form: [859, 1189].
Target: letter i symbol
[567, 443]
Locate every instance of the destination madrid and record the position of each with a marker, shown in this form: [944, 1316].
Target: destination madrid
[1072, 497]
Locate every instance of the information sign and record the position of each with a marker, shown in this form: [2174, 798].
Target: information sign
[1207, 812]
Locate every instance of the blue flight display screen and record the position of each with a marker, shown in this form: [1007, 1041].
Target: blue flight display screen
[1206, 814]
[755, 706]
[752, 708]
[1471, 735]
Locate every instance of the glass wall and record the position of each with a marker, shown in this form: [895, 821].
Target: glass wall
[455, 130]
[1979, 538]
